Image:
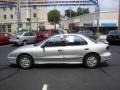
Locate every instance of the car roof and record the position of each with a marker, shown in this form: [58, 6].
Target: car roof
[69, 34]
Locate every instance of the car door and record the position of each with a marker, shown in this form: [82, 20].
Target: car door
[27, 36]
[75, 49]
[32, 37]
[3, 39]
[53, 49]
[6, 38]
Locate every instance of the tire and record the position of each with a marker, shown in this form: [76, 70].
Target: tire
[25, 43]
[91, 61]
[25, 62]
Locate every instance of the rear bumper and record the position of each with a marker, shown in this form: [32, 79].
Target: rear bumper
[106, 56]
[15, 41]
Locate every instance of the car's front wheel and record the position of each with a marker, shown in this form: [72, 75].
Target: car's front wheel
[91, 60]
[25, 61]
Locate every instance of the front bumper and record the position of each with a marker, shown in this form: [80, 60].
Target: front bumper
[12, 60]
[106, 56]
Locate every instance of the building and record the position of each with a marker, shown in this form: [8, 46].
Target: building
[108, 21]
[28, 18]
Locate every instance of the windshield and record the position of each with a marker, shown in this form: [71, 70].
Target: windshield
[38, 44]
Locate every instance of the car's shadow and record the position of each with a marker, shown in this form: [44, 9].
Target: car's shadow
[56, 66]
[61, 66]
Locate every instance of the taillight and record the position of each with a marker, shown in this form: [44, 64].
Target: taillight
[107, 48]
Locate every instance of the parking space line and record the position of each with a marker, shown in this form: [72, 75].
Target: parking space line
[45, 87]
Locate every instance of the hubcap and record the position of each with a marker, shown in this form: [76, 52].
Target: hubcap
[91, 61]
[25, 62]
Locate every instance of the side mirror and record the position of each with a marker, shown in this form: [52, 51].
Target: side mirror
[43, 46]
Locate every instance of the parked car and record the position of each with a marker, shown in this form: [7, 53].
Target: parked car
[72, 31]
[62, 48]
[43, 34]
[113, 37]
[88, 34]
[23, 38]
[4, 38]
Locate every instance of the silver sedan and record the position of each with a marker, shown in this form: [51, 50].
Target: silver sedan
[62, 49]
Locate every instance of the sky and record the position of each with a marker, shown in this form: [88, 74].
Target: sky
[105, 5]
[109, 5]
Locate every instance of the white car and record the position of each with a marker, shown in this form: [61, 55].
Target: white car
[23, 38]
[62, 48]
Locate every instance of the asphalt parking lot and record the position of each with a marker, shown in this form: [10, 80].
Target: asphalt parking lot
[60, 77]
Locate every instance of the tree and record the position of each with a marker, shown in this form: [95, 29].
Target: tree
[80, 11]
[70, 13]
[54, 16]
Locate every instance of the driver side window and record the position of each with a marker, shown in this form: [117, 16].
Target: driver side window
[55, 42]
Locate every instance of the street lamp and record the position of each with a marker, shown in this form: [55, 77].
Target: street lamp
[119, 16]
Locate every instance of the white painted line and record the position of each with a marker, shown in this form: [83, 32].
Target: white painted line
[45, 87]
[6, 45]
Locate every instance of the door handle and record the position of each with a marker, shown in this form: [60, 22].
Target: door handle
[86, 49]
[59, 50]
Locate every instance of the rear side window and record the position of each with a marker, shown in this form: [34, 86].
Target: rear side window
[27, 34]
[72, 40]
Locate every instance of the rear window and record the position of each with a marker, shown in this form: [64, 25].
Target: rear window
[114, 32]
[95, 41]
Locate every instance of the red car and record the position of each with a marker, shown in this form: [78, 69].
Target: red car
[4, 38]
[43, 34]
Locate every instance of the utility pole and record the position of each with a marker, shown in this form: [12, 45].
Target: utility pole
[119, 16]
[29, 14]
[18, 15]
[37, 18]
[97, 17]
[70, 18]
[54, 17]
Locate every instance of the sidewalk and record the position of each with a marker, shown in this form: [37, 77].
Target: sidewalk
[103, 36]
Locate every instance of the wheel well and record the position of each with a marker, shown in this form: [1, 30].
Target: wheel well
[93, 53]
[24, 54]
[25, 40]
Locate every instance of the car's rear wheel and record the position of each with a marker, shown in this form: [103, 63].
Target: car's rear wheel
[25, 61]
[25, 43]
[91, 60]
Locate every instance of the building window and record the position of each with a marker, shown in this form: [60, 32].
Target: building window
[11, 16]
[11, 8]
[34, 7]
[4, 9]
[34, 15]
[9, 28]
[5, 17]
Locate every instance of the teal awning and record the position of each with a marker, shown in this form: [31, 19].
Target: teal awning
[108, 24]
